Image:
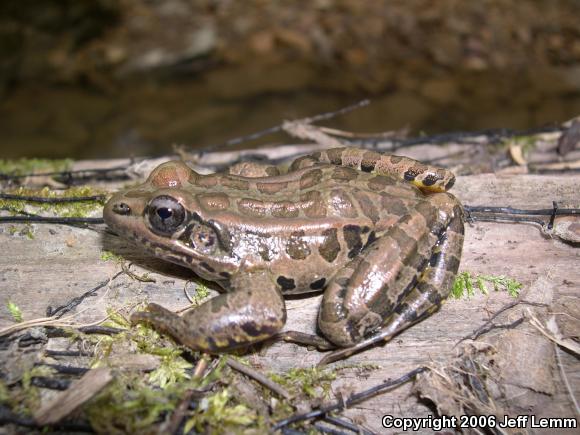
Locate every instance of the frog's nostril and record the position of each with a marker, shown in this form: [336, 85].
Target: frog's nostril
[121, 208]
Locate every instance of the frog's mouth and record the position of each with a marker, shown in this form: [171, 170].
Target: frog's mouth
[128, 220]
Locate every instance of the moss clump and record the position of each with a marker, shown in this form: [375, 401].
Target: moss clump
[136, 402]
[465, 285]
[220, 413]
[130, 405]
[173, 369]
[67, 209]
[309, 382]
[34, 166]
[15, 311]
[109, 256]
[201, 293]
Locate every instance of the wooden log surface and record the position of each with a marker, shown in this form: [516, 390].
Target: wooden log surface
[63, 262]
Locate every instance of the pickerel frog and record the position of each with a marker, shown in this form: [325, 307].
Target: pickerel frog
[377, 233]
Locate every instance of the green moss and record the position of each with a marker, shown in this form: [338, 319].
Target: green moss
[135, 404]
[28, 397]
[70, 209]
[128, 405]
[34, 166]
[466, 283]
[23, 398]
[171, 370]
[219, 413]
[109, 256]
[201, 293]
[15, 311]
[311, 382]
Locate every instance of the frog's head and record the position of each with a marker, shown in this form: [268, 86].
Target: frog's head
[163, 216]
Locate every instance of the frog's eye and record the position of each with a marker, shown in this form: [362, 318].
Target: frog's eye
[165, 215]
[203, 239]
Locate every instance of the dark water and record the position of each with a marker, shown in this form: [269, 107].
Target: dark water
[147, 117]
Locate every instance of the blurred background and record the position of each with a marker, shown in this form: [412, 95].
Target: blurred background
[118, 78]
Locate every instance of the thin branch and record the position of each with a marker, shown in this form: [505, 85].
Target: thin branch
[320, 117]
[265, 381]
[51, 383]
[71, 353]
[501, 219]
[143, 278]
[476, 138]
[65, 322]
[97, 329]
[489, 325]
[65, 370]
[56, 200]
[58, 312]
[518, 211]
[50, 220]
[66, 174]
[509, 214]
[172, 424]
[536, 169]
[352, 400]
[492, 327]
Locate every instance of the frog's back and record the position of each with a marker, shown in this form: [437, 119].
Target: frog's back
[311, 197]
[305, 226]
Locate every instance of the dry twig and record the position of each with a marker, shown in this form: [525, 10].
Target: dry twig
[265, 381]
[353, 399]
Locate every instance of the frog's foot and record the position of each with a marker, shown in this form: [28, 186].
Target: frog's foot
[383, 336]
[228, 321]
[301, 338]
[404, 289]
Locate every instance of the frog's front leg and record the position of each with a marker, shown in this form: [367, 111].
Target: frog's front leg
[253, 312]
[397, 280]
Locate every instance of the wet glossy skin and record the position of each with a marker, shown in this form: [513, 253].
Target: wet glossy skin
[352, 223]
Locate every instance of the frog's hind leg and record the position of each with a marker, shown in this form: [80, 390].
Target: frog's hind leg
[399, 280]
[428, 178]
[228, 321]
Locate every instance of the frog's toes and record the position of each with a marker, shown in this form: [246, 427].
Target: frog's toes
[348, 331]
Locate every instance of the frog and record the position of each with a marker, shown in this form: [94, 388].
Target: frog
[378, 234]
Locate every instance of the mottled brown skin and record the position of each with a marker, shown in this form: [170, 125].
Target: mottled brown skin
[353, 223]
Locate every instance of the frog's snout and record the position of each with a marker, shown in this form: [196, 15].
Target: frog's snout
[121, 208]
[116, 208]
